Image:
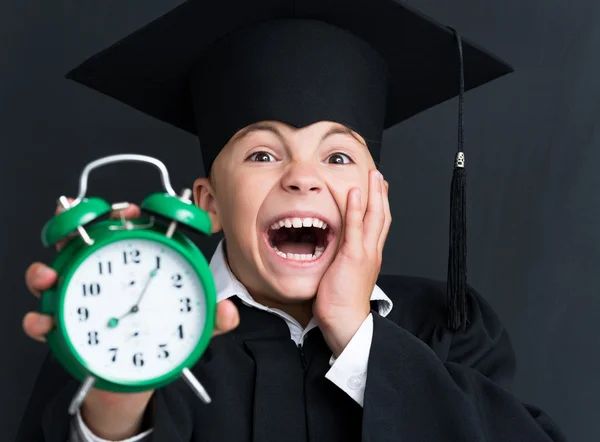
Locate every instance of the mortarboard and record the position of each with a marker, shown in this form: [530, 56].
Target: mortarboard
[212, 68]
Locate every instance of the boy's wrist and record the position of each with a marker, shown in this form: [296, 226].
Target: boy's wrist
[120, 420]
[110, 427]
[339, 333]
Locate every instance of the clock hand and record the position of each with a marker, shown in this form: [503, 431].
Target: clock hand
[113, 322]
[152, 275]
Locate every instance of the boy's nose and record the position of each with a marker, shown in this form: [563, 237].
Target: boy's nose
[302, 180]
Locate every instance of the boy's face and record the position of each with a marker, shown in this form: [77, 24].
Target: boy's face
[271, 173]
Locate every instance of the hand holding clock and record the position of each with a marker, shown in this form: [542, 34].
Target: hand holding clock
[112, 416]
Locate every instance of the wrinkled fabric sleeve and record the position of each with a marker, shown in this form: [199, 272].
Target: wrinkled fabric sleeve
[349, 370]
[413, 394]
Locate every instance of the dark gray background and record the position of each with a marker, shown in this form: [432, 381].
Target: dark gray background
[533, 191]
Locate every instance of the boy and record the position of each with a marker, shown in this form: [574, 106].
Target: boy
[289, 101]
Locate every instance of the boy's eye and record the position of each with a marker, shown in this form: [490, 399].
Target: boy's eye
[262, 157]
[338, 158]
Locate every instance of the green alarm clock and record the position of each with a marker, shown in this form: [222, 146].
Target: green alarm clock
[134, 303]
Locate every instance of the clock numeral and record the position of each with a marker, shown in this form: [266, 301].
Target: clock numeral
[164, 354]
[131, 256]
[157, 262]
[138, 360]
[187, 307]
[177, 280]
[180, 331]
[93, 338]
[91, 289]
[114, 354]
[105, 267]
[83, 313]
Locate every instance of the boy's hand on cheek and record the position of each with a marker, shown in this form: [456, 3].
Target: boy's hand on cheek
[343, 298]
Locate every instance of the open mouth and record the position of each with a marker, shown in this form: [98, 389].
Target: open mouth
[300, 239]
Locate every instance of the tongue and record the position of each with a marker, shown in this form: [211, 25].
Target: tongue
[305, 248]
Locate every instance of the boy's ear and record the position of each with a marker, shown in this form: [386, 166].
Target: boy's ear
[204, 198]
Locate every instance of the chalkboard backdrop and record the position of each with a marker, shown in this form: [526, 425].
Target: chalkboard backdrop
[533, 143]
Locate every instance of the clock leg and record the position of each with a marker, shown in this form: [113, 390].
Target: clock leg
[84, 389]
[185, 196]
[195, 385]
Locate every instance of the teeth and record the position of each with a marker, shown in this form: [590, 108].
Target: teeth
[301, 256]
[299, 222]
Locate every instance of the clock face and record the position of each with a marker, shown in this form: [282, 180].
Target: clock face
[134, 310]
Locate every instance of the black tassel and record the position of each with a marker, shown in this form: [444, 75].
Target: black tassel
[457, 259]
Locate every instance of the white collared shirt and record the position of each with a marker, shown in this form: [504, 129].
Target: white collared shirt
[348, 371]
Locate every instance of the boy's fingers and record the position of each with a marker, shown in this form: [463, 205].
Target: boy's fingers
[227, 318]
[63, 242]
[388, 216]
[39, 277]
[59, 207]
[132, 211]
[353, 229]
[37, 325]
[375, 214]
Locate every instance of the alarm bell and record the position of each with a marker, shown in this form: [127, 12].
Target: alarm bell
[178, 210]
[73, 218]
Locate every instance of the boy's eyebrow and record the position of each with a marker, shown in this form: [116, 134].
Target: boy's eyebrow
[343, 130]
[255, 127]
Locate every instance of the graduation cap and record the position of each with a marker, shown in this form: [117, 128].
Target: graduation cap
[212, 68]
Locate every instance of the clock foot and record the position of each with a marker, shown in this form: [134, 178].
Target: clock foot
[185, 196]
[84, 389]
[195, 385]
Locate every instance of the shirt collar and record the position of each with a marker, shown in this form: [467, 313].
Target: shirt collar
[227, 285]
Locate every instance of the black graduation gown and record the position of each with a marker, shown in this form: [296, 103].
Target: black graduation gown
[424, 383]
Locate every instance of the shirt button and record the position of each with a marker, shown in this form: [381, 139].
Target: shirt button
[355, 382]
